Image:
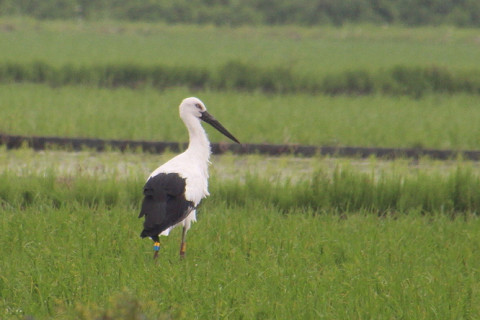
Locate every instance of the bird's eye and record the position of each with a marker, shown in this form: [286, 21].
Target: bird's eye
[198, 106]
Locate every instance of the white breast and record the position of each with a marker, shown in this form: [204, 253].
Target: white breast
[195, 172]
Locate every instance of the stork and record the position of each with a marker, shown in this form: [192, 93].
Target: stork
[174, 190]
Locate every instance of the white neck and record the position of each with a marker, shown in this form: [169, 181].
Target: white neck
[199, 144]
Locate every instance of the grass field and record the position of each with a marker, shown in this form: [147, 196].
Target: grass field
[288, 184]
[249, 262]
[434, 121]
[71, 222]
[305, 50]
[280, 238]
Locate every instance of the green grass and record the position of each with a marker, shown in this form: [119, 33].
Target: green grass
[239, 76]
[280, 238]
[340, 189]
[349, 60]
[242, 262]
[433, 121]
[69, 222]
[305, 50]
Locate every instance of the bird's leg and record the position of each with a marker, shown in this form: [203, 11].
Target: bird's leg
[183, 245]
[156, 248]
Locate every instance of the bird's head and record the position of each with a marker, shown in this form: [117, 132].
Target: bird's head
[195, 107]
[192, 106]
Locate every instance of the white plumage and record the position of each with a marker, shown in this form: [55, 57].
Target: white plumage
[174, 190]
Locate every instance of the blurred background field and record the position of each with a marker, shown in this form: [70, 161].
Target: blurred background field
[347, 60]
[440, 121]
[304, 49]
[349, 86]
[281, 237]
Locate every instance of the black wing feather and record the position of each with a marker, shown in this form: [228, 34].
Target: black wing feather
[164, 204]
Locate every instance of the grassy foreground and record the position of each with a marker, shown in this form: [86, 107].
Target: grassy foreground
[242, 262]
[70, 228]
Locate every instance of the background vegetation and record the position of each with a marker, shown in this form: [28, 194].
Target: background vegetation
[349, 86]
[225, 12]
[434, 121]
[351, 60]
[239, 76]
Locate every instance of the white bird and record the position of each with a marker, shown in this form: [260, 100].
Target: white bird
[174, 190]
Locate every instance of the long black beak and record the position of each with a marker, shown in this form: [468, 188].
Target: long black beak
[208, 118]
